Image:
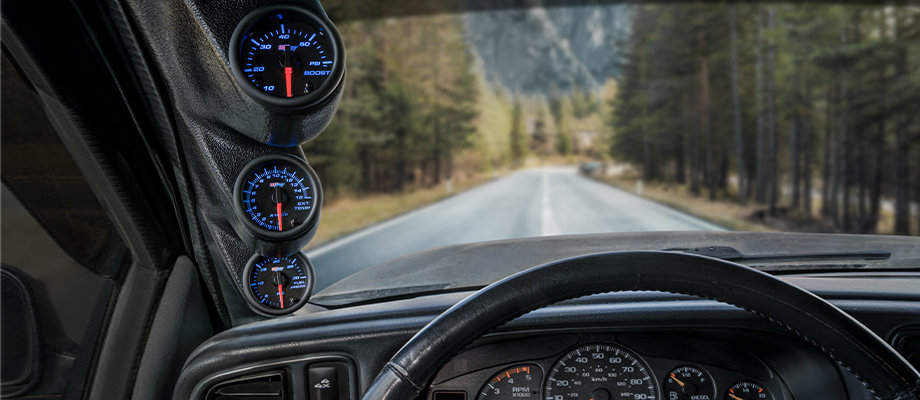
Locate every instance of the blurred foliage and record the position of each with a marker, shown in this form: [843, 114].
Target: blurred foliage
[824, 107]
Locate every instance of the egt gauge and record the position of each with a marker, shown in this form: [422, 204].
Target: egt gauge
[287, 56]
[278, 197]
[278, 285]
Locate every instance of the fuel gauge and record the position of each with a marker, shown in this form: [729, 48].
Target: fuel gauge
[689, 382]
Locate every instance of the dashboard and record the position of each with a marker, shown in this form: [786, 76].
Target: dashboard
[610, 346]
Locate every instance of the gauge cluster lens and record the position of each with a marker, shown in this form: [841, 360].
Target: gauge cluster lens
[600, 372]
[278, 196]
[286, 55]
[279, 285]
[689, 383]
[518, 382]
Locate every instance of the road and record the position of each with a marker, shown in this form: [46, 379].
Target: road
[535, 202]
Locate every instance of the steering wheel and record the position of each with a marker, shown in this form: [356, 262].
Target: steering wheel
[879, 367]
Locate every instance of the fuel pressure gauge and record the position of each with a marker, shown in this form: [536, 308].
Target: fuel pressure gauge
[278, 196]
[278, 285]
[287, 56]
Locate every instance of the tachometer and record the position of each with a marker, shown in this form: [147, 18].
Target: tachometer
[600, 372]
[278, 285]
[278, 196]
[287, 56]
[518, 382]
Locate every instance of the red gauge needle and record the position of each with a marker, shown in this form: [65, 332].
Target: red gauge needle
[280, 224]
[288, 71]
[281, 295]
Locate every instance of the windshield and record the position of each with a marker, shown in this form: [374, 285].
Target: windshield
[460, 127]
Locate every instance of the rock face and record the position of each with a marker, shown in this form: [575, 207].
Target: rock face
[539, 50]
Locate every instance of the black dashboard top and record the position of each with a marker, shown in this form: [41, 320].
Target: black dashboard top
[475, 265]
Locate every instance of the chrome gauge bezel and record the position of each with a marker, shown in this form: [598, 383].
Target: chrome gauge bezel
[312, 217]
[260, 308]
[322, 93]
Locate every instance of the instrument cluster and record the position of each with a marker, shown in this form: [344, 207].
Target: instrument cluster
[610, 367]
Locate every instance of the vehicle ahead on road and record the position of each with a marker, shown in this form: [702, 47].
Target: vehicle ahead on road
[158, 200]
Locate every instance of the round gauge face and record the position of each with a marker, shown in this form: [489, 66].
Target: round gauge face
[518, 382]
[286, 56]
[747, 390]
[278, 285]
[600, 372]
[689, 383]
[278, 196]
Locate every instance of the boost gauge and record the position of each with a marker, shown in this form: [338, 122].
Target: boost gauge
[278, 196]
[278, 285]
[287, 56]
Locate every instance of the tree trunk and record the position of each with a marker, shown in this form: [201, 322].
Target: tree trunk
[761, 182]
[705, 117]
[794, 128]
[736, 107]
[878, 151]
[834, 125]
[772, 181]
[693, 148]
[845, 221]
[807, 147]
[680, 156]
[901, 153]
[827, 166]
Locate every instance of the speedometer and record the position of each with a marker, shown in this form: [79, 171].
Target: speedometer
[600, 372]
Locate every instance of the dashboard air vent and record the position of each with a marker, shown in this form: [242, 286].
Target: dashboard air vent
[907, 342]
[262, 386]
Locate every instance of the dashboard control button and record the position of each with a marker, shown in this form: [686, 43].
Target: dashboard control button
[328, 381]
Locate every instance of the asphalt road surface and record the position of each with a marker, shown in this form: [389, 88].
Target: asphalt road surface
[536, 202]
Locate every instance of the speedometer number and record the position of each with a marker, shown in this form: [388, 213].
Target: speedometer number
[600, 372]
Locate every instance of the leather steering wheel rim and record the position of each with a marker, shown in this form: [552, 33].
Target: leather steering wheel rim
[879, 367]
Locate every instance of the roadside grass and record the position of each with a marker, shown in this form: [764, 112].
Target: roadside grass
[726, 212]
[347, 213]
[729, 215]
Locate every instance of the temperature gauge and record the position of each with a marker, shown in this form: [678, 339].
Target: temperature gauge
[278, 285]
[278, 196]
[746, 390]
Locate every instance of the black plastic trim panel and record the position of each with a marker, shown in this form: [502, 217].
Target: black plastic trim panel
[295, 369]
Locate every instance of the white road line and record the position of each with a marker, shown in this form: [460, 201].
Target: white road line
[352, 237]
[548, 225]
[701, 223]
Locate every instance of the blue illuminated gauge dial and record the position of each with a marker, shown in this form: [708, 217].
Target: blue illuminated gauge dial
[278, 196]
[278, 285]
[287, 56]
